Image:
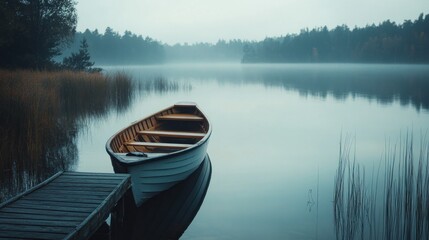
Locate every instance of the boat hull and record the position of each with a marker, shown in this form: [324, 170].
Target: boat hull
[152, 177]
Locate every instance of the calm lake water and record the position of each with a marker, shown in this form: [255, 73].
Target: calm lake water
[276, 136]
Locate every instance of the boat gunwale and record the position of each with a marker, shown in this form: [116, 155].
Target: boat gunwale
[166, 155]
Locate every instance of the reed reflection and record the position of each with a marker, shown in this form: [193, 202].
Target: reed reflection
[168, 215]
[41, 116]
[162, 85]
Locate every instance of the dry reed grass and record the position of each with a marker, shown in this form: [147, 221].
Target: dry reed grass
[41, 113]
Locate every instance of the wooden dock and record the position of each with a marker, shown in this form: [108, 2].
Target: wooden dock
[69, 205]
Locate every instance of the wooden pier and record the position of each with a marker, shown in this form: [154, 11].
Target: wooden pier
[69, 205]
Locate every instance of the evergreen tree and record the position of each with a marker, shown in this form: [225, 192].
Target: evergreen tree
[32, 32]
[80, 61]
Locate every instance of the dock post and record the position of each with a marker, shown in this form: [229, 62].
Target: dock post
[120, 217]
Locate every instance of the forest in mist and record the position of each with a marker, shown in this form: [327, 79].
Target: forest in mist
[112, 47]
[387, 42]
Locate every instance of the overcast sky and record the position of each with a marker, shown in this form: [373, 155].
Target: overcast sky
[179, 21]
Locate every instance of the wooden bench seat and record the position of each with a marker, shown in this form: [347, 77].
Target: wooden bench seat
[172, 134]
[180, 117]
[159, 145]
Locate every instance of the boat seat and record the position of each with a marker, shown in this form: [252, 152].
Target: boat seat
[180, 117]
[159, 145]
[172, 134]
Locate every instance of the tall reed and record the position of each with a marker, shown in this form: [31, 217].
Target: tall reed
[41, 114]
[401, 212]
[349, 196]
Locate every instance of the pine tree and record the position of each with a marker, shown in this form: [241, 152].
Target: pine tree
[80, 61]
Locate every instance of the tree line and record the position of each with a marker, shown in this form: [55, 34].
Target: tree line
[41, 34]
[222, 50]
[111, 47]
[387, 42]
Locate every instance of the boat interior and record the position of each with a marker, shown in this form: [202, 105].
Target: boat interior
[172, 129]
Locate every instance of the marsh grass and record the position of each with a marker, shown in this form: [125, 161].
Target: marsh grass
[393, 203]
[41, 114]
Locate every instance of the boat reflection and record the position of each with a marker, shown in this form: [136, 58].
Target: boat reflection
[168, 215]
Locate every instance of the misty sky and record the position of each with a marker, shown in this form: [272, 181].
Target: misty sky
[179, 21]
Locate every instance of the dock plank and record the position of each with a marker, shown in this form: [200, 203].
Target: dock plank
[70, 191]
[90, 188]
[5, 234]
[69, 205]
[31, 228]
[54, 208]
[94, 185]
[42, 212]
[34, 222]
[87, 180]
[66, 200]
[74, 191]
[69, 196]
[24, 216]
[95, 174]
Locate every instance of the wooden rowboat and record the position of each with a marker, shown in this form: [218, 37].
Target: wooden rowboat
[161, 150]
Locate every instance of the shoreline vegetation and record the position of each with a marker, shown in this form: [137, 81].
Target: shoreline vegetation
[390, 203]
[42, 113]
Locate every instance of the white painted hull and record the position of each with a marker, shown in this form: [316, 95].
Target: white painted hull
[152, 177]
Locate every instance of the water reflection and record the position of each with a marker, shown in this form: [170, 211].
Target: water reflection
[42, 114]
[384, 83]
[168, 215]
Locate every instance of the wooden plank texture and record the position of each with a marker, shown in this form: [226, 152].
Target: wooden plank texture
[159, 145]
[69, 205]
[173, 134]
[180, 117]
